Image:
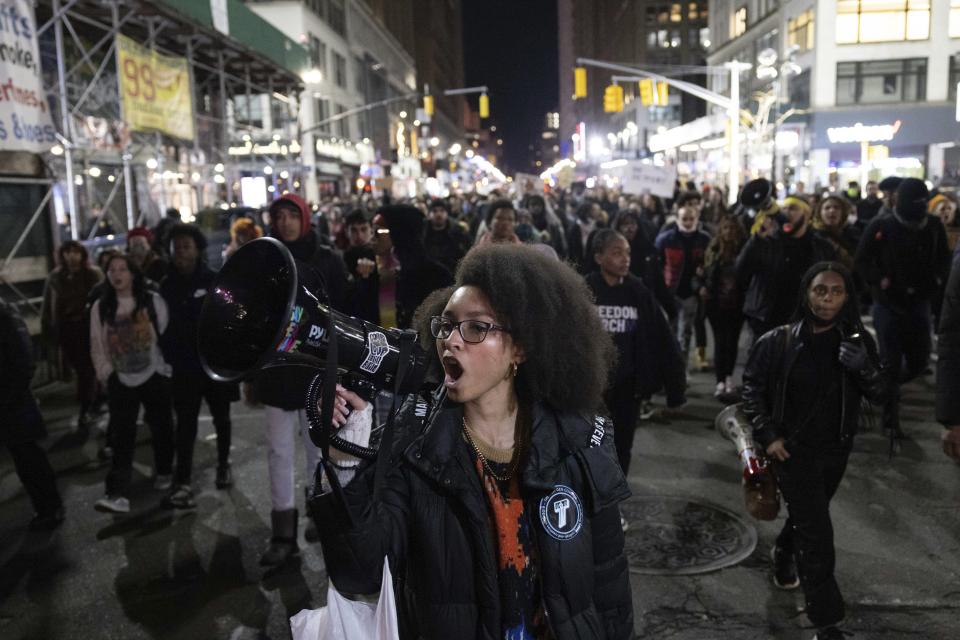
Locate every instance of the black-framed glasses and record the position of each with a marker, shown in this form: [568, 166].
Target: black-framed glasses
[472, 331]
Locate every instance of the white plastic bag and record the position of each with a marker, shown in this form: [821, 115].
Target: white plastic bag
[344, 619]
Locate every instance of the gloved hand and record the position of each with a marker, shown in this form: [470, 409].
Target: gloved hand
[354, 428]
[853, 356]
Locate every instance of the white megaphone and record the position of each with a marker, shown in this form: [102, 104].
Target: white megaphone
[760, 493]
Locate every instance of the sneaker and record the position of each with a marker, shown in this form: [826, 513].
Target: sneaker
[163, 482]
[180, 498]
[720, 390]
[48, 521]
[113, 504]
[784, 569]
[224, 477]
[831, 633]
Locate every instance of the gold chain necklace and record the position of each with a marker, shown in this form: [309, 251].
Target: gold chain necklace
[483, 458]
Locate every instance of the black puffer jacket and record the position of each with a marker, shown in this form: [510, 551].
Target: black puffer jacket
[434, 524]
[948, 354]
[765, 386]
[20, 419]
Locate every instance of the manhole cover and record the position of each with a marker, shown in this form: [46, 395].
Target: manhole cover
[680, 536]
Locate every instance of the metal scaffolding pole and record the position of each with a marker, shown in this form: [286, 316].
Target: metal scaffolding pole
[65, 123]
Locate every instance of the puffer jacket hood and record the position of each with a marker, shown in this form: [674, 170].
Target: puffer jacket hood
[299, 203]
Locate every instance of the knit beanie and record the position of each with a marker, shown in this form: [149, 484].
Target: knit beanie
[912, 197]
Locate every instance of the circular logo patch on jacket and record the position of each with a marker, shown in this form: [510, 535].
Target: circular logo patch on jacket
[561, 513]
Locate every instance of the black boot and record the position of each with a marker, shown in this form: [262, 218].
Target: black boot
[283, 544]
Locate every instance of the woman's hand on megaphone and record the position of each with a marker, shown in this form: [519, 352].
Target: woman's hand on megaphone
[346, 403]
[353, 424]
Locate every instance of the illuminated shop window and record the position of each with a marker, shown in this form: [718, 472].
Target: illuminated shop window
[676, 12]
[882, 20]
[739, 23]
[882, 81]
[800, 31]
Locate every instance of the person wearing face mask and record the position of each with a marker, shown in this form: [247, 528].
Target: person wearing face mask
[184, 290]
[499, 510]
[148, 262]
[905, 260]
[769, 267]
[681, 250]
[825, 355]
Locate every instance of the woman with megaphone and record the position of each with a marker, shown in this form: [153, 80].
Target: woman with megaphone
[498, 513]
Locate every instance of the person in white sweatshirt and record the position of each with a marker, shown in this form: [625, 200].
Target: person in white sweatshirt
[125, 328]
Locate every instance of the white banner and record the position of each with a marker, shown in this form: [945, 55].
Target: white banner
[25, 123]
[527, 183]
[638, 178]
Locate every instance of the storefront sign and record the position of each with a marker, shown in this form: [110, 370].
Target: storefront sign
[25, 123]
[638, 178]
[861, 133]
[155, 90]
[273, 148]
[693, 131]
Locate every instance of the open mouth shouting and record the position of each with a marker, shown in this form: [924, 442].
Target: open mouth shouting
[452, 370]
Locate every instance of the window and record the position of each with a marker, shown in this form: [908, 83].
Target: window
[322, 112]
[738, 25]
[954, 78]
[693, 11]
[662, 39]
[882, 20]
[318, 55]
[248, 110]
[342, 126]
[337, 16]
[676, 12]
[663, 15]
[674, 39]
[651, 16]
[766, 7]
[339, 69]
[652, 40]
[954, 21]
[800, 31]
[881, 81]
[319, 7]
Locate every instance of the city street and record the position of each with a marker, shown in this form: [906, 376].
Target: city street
[195, 574]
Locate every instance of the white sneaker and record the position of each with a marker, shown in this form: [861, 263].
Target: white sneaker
[163, 482]
[113, 504]
[729, 384]
[720, 390]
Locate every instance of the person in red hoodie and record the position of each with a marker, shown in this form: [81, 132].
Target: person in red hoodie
[283, 390]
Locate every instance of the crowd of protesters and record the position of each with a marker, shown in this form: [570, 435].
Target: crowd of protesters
[800, 272]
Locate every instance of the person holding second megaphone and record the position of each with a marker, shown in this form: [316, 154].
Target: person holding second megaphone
[802, 389]
[498, 508]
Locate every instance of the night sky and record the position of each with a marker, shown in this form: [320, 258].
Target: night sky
[511, 46]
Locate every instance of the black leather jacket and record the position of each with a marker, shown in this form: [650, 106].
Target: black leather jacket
[433, 523]
[765, 386]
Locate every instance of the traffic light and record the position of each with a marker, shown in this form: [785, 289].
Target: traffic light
[428, 105]
[646, 92]
[662, 93]
[484, 106]
[580, 82]
[613, 99]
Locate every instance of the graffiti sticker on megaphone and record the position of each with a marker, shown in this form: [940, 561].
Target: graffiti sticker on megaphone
[377, 350]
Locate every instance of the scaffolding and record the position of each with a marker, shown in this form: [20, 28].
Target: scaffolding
[101, 176]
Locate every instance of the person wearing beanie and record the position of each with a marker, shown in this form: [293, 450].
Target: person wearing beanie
[140, 247]
[184, 290]
[903, 257]
[770, 267]
[418, 275]
[283, 390]
[888, 187]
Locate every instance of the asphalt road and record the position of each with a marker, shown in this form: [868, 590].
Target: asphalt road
[162, 574]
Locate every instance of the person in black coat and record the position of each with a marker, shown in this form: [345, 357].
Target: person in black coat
[948, 366]
[444, 239]
[184, 290]
[802, 390]
[769, 268]
[21, 424]
[645, 259]
[648, 357]
[904, 257]
[363, 297]
[499, 506]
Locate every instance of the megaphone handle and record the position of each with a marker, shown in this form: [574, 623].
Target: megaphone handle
[407, 340]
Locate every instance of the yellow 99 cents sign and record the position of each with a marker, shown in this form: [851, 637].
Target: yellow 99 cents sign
[156, 91]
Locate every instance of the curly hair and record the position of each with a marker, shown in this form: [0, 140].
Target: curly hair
[549, 310]
[845, 207]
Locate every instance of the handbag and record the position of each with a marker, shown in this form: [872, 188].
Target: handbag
[351, 618]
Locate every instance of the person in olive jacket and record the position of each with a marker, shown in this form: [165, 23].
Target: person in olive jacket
[802, 389]
[21, 424]
[498, 512]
